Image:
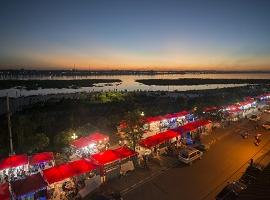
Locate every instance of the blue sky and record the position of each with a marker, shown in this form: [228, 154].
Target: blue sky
[149, 34]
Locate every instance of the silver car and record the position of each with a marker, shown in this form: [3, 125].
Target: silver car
[189, 154]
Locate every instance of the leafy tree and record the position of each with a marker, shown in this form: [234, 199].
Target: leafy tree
[133, 130]
[41, 141]
[63, 139]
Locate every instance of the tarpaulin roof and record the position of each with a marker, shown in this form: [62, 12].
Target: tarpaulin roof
[113, 155]
[67, 170]
[4, 192]
[125, 152]
[244, 103]
[92, 138]
[193, 125]
[167, 116]
[28, 185]
[41, 157]
[154, 119]
[158, 138]
[13, 161]
[106, 157]
[175, 115]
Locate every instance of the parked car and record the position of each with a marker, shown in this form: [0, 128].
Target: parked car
[201, 147]
[231, 191]
[189, 154]
[266, 125]
[254, 118]
[251, 174]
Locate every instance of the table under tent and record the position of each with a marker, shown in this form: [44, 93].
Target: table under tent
[192, 131]
[70, 178]
[159, 142]
[41, 161]
[14, 167]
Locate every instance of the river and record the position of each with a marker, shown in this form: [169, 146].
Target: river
[129, 83]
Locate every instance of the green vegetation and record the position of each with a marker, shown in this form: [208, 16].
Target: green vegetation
[36, 84]
[56, 121]
[133, 130]
[199, 81]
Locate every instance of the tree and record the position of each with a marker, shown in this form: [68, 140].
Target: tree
[133, 130]
[63, 139]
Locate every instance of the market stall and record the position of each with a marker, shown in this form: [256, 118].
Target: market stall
[4, 191]
[93, 143]
[192, 131]
[68, 179]
[14, 167]
[110, 161]
[67, 170]
[41, 161]
[32, 187]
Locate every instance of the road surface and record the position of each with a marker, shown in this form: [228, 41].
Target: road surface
[225, 161]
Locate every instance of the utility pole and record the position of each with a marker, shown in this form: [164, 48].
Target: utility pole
[9, 128]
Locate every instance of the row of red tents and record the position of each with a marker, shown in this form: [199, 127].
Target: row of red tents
[61, 172]
[94, 162]
[162, 137]
[19, 160]
[166, 117]
[160, 118]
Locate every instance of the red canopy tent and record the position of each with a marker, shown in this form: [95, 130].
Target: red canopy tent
[158, 138]
[193, 125]
[154, 119]
[41, 157]
[28, 185]
[92, 138]
[67, 170]
[106, 157]
[125, 152]
[82, 166]
[175, 115]
[112, 155]
[4, 192]
[13, 161]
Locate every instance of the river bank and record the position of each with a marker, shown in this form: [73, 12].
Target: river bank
[200, 81]
[59, 84]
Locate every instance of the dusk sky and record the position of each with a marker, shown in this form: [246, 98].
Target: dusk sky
[111, 34]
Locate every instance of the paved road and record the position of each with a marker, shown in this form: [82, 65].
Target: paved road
[205, 177]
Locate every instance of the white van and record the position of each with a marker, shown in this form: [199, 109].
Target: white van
[189, 154]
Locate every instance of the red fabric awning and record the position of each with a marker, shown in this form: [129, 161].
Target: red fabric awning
[28, 185]
[41, 157]
[67, 170]
[154, 119]
[4, 192]
[158, 138]
[112, 155]
[125, 152]
[13, 161]
[105, 157]
[92, 138]
[167, 116]
[81, 166]
[193, 125]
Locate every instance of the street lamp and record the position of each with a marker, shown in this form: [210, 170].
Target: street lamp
[74, 136]
[142, 114]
